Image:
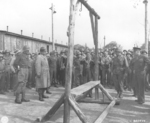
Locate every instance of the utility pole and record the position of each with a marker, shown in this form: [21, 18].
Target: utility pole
[104, 41]
[53, 12]
[146, 39]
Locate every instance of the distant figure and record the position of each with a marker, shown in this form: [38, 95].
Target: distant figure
[2, 74]
[22, 65]
[42, 74]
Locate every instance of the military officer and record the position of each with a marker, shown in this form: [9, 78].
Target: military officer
[42, 74]
[140, 73]
[136, 53]
[22, 63]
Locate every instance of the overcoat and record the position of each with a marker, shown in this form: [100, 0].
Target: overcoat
[42, 70]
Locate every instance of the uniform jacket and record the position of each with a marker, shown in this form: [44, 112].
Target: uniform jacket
[118, 65]
[42, 70]
[22, 60]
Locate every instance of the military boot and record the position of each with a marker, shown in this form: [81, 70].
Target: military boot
[17, 100]
[23, 98]
[40, 91]
[43, 95]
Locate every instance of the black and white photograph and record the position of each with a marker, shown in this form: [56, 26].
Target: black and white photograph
[74, 61]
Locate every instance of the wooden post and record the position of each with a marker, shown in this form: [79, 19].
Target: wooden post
[146, 38]
[105, 112]
[89, 8]
[53, 109]
[92, 26]
[73, 10]
[96, 49]
[105, 92]
[96, 93]
[77, 110]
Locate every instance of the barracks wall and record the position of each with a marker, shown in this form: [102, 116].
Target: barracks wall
[12, 41]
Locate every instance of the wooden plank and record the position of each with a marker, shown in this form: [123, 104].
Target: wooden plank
[105, 92]
[82, 96]
[73, 11]
[92, 26]
[105, 112]
[77, 110]
[89, 8]
[97, 101]
[53, 110]
[83, 88]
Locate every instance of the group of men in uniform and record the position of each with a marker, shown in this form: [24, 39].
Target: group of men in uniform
[122, 70]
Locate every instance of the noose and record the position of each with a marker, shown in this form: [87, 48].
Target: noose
[80, 9]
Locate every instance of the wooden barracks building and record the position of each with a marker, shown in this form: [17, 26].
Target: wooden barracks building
[12, 41]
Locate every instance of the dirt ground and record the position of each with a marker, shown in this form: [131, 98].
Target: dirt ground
[128, 111]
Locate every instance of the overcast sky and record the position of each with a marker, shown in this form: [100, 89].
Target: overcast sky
[121, 20]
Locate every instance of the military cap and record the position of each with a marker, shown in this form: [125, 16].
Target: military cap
[6, 51]
[129, 53]
[124, 50]
[25, 48]
[136, 48]
[42, 49]
[143, 51]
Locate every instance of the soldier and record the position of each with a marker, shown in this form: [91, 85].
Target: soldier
[7, 58]
[140, 73]
[118, 67]
[128, 72]
[2, 74]
[29, 84]
[52, 60]
[92, 65]
[63, 63]
[133, 68]
[105, 64]
[13, 69]
[86, 68]
[77, 70]
[22, 65]
[42, 74]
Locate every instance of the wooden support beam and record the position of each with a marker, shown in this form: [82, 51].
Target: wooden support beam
[82, 95]
[105, 92]
[96, 50]
[96, 93]
[97, 101]
[92, 26]
[77, 110]
[105, 112]
[53, 110]
[73, 11]
[89, 8]
[84, 88]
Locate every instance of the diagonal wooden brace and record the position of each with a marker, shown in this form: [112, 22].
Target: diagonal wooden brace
[77, 110]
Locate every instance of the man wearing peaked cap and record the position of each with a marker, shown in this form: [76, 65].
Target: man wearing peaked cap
[42, 74]
[138, 64]
[144, 52]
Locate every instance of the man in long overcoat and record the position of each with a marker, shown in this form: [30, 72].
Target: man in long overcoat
[42, 73]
